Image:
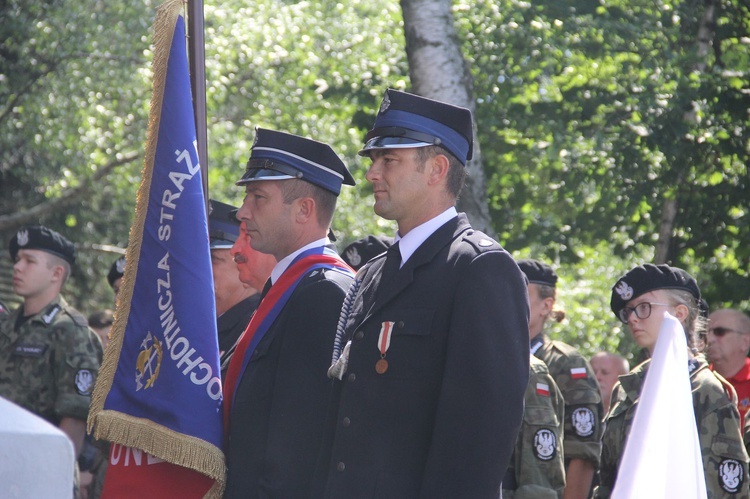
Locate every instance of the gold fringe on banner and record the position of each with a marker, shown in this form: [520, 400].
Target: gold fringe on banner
[114, 426]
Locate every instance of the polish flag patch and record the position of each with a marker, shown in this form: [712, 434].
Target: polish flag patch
[542, 389]
[578, 373]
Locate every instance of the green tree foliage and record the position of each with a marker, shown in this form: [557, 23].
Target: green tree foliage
[73, 101]
[590, 115]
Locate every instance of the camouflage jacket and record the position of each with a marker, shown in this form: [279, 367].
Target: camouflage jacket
[718, 430]
[50, 363]
[583, 402]
[537, 470]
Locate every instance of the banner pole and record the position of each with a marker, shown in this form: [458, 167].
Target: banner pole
[197, 61]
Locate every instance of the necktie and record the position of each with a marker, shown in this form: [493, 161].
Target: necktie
[392, 263]
[266, 287]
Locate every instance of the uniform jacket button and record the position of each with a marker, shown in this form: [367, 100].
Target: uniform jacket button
[340, 466]
[351, 377]
[346, 422]
[400, 324]
[359, 335]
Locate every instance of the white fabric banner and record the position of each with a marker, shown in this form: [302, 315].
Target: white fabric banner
[662, 455]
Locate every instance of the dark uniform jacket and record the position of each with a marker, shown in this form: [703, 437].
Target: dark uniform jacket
[442, 421]
[231, 324]
[280, 402]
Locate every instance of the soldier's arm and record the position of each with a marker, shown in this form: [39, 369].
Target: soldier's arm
[76, 430]
[579, 476]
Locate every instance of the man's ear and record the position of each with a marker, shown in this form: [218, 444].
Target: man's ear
[438, 167]
[305, 209]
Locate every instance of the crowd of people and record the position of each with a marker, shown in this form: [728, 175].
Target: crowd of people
[418, 365]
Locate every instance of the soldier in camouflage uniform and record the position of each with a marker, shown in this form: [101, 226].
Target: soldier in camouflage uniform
[574, 377]
[49, 358]
[537, 469]
[725, 461]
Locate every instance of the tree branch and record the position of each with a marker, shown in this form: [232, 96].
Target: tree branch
[73, 194]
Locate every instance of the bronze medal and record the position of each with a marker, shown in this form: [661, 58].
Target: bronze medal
[381, 366]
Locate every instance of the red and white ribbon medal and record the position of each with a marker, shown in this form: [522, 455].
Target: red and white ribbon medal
[384, 341]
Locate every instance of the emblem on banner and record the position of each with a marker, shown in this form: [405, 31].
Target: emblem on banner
[148, 363]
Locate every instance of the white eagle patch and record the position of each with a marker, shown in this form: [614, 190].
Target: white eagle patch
[545, 444]
[583, 421]
[84, 381]
[731, 475]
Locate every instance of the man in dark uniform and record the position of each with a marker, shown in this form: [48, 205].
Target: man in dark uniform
[432, 364]
[236, 301]
[276, 387]
[49, 358]
[574, 376]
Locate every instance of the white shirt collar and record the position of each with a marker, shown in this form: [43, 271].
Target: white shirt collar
[408, 244]
[282, 265]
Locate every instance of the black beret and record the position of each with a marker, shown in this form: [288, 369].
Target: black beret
[409, 120]
[116, 271]
[538, 272]
[223, 226]
[648, 277]
[279, 155]
[39, 237]
[363, 250]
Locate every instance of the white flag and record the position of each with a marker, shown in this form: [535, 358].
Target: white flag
[662, 455]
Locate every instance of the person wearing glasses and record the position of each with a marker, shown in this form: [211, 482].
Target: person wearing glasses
[639, 299]
[727, 344]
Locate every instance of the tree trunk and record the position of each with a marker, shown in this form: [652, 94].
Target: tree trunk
[670, 206]
[438, 71]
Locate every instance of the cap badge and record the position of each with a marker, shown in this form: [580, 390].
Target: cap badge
[23, 237]
[353, 256]
[385, 104]
[625, 291]
[120, 264]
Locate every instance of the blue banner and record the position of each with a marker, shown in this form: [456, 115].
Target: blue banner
[165, 395]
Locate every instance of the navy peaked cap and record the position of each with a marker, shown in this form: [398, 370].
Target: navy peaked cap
[116, 271]
[279, 156]
[223, 226]
[538, 272]
[408, 120]
[648, 277]
[39, 237]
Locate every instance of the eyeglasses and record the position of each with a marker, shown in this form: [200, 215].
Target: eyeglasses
[642, 311]
[721, 331]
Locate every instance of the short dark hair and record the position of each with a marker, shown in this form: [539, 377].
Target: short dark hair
[456, 171]
[101, 318]
[325, 200]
